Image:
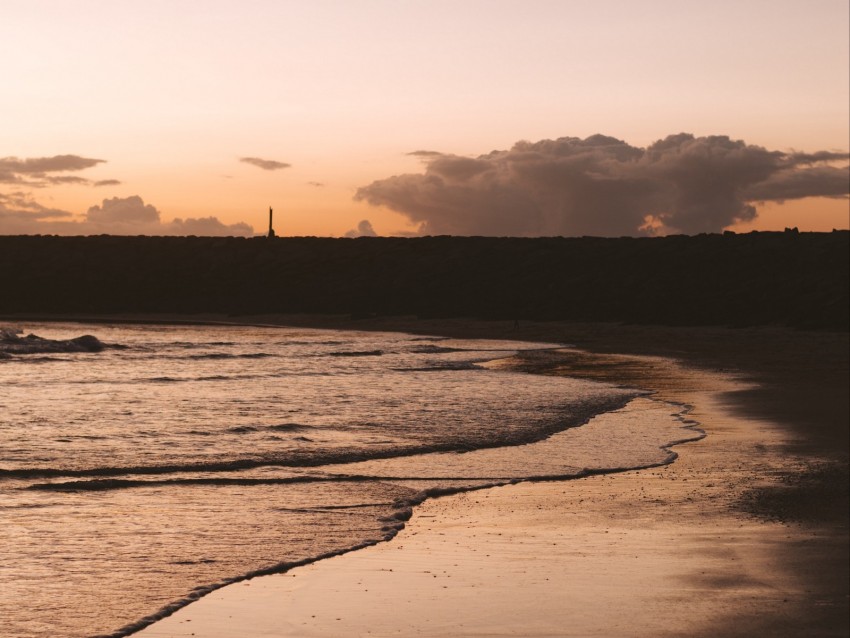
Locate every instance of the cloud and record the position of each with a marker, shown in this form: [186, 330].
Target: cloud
[207, 227]
[19, 208]
[107, 182]
[36, 172]
[364, 229]
[54, 164]
[425, 154]
[21, 215]
[792, 183]
[266, 165]
[65, 179]
[604, 186]
[128, 210]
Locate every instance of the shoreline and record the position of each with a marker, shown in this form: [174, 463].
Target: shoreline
[714, 485]
[805, 455]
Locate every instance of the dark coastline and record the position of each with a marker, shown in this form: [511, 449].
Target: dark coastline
[799, 280]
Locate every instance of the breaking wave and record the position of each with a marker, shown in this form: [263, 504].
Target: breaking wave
[11, 343]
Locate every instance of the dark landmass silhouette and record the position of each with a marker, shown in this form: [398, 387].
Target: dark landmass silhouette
[784, 278]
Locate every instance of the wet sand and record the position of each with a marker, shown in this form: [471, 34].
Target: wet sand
[745, 534]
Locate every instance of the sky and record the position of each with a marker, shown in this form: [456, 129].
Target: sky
[532, 117]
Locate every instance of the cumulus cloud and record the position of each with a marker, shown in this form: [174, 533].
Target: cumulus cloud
[603, 186]
[364, 229]
[127, 210]
[20, 214]
[266, 165]
[207, 227]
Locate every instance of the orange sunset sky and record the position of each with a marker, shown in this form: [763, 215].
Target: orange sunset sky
[178, 109]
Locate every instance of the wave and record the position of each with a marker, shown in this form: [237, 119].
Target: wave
[11, 343]
[292, 460]
[212, 377]
[192, 345]
[429, 349]
[314, 458]
[356, 353]
[99, 485]
[8, 333]
[289, 427]
[278, 427]
[224, 355]
[155, 354]
[295, 342]
[35, 359]
[443, 367]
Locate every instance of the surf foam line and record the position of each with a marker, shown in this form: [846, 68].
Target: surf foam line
[403, 511]
[580, 417]
[488, 481]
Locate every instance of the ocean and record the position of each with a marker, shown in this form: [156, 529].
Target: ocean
[142, 466]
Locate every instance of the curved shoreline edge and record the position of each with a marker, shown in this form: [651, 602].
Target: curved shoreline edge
[404, 509]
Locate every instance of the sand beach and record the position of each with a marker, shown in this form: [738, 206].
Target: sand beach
[745, 534]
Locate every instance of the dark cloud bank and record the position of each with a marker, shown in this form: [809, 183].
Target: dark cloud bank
[605, 187]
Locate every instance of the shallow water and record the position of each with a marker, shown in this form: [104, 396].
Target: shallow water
[178, 458]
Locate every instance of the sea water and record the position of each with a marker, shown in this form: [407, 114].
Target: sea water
[145, 465]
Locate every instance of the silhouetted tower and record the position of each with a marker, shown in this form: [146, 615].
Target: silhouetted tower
[271, 230]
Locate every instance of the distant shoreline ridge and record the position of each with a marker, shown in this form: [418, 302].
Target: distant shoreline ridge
[799, 280]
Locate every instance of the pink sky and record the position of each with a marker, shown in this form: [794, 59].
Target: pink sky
[173, 95]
